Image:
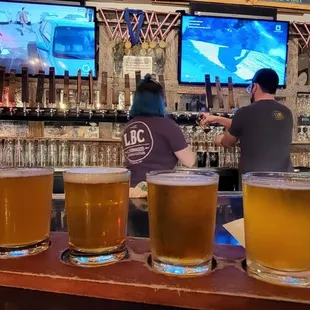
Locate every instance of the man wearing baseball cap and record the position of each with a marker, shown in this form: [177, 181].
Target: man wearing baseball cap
[264, 128]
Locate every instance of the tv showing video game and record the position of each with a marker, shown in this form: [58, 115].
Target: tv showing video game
[40, 36]
[231, 47]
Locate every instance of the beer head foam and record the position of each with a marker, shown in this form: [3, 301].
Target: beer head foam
[24, 172]
[182, 179]
[96, 175]
[299, 181]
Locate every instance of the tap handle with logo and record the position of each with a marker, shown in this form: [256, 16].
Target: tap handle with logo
[52, 86]
[219, 93]
[231, 99]
[209, 99]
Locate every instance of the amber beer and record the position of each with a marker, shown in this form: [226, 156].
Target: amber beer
[97, 210]
[182, 209]
[25, 211]
[277, 221]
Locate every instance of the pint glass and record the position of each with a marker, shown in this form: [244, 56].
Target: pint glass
[277, 221]
[182, 209]
[97, 210]
[25, 211]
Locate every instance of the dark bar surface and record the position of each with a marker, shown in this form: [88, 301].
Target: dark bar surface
[132, 280]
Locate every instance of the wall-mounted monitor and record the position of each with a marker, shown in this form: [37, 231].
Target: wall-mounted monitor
[230, 47]
[40, 36]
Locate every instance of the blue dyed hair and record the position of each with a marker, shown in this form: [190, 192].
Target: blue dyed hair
[149, 99]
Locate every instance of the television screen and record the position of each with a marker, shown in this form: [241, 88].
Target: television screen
[40, 36]
[231, 47]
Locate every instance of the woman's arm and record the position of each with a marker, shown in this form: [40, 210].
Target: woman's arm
[186, 156]
[178, 144]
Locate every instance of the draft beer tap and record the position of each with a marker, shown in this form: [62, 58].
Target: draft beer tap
[78, 93]
[90, 94]
[52, 91]
[65, 98]
[39, 93]
[25, 90]
[115, 95]
[127, 96]
[104, 92]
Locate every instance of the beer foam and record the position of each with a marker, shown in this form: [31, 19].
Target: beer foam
[182, 179]
[293, 182]
[24, 172]
[96, 175]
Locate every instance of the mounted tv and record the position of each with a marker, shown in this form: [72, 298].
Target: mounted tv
[231, 47]
[40, 36]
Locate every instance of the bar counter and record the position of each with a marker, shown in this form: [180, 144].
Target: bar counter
[45, 282]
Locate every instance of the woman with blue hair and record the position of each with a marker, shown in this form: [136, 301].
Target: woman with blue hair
[151, 140]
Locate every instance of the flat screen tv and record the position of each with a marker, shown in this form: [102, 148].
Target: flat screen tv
[40, 36]
[231, 47]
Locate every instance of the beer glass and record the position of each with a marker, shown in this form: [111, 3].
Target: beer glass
[25, 211]
[277, 220]
[97, 209]
[182, 209]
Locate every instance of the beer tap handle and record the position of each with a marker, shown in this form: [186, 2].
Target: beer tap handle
[66, 89]
[90, 89]
[115, 93]
[78, 90]
[52, 87]
[127, 92]
[25, 85]
[40, 88]
[138, 78]
[12, 88]
[176, 105]
[104, 89]
[231, 99]
[209, 99]
[162, 83]
[219, 93]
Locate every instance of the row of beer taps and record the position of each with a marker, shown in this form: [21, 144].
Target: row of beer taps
[99, 111]
[7, 95]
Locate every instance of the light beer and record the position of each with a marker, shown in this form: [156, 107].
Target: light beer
[277, 221]
[97, 210]
[25, 210]
[182, 209]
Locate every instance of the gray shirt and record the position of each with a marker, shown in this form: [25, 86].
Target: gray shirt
[264, 129]
[149, 144]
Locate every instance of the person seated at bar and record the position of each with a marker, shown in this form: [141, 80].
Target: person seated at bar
[264, 128]
[151, 140]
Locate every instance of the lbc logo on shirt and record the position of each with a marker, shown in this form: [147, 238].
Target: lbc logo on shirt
[135, 136]
[138, 142]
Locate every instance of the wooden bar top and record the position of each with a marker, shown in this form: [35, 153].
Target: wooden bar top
[227, 287]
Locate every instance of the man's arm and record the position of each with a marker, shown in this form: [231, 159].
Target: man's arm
[226, 140]
[213, 119]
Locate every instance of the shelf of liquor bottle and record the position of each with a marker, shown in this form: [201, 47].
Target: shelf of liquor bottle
[133, 281]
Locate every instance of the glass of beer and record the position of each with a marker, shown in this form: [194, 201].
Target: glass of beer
[277, 227]
[97, 209]
[182, 210]
[25, 211]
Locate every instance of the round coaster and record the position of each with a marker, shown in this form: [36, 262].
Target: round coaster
[89, 261]
[182, 271]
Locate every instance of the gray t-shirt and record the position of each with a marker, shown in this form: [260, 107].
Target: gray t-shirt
[264, 129]
[149, 144]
